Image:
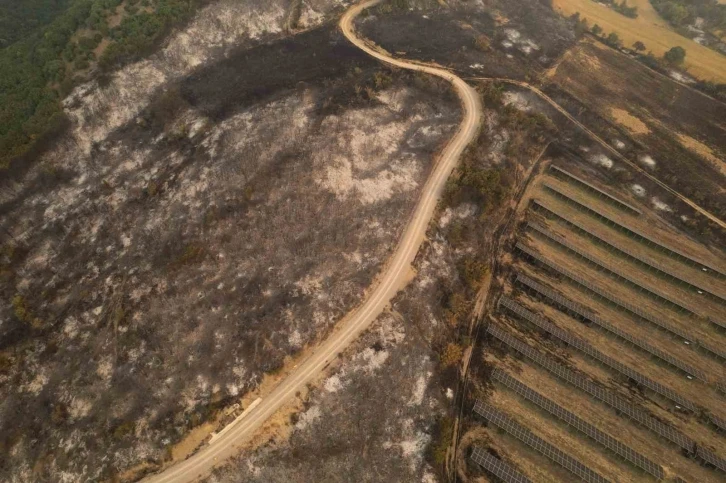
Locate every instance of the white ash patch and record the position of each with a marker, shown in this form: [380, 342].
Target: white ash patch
[354, 257]
[104, 370]
[37, 384]
[340, 180]
[516, 99]
[308, 417]
[429, 476]
[333, 384]
[660, 205]
[512, 34]
[681, 77]
[423, 134]
[619, 144]
[499, 141]
[419, 390]
[391, 332]
[70, 327]
[638, 190]
[79, 408]
[647, 160]
[309, 17]
[514, 37]
[601, 160]
[295, 339]
[310, 285]
[394, 98]
[369, 360]
[413, 446]
[449, 393]
[476, 66]
[463, 211]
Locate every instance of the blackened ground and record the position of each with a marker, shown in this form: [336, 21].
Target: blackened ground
[448, 36]
[249, 76]
[161, 277]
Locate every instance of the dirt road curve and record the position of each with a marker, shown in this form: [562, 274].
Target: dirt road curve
[389, 282]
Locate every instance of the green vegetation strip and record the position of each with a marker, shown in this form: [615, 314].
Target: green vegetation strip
[41, 68]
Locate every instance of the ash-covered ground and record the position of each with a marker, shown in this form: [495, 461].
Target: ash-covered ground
[213, 209]
[487, 38]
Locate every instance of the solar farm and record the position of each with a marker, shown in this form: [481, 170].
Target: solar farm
[604, 343]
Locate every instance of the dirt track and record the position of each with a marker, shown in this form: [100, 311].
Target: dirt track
[390, 281]
[611, 149]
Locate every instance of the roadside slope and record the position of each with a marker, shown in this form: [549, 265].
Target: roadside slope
[390, 281]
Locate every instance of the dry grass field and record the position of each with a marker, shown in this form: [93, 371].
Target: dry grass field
[703, 394]
[652, 30]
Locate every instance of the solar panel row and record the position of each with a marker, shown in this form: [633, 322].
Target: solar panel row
[579, 424]
[610, 269]
[592, 389]
[636, 234]
[710, 457]
[686, 336]
[717, 322]
[497, 467]
[502, 421]
[585, 313]
[616, 247]
[720, 423]
[589, 350]
[561, 173]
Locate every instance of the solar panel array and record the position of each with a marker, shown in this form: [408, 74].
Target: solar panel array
[620, 405]
[607, 267]
[606, 397]
[686, 336]
[634, 233]
[582, 311]
[579, 424]
[710, 457]
[594, 189]
[589, 350]
[497, 467]
[720, 423]
[501, 420]
[717, 322]
[651, 265]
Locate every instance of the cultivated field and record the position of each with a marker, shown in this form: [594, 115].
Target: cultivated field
[625, 349]
[650, 29]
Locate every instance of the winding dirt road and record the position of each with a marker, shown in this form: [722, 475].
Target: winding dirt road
[390, 281]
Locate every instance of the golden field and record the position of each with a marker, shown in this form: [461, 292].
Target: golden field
[650, 29]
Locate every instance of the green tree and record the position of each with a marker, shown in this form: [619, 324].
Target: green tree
[613, 40]
[675, 56]
[639, 46]
[596, 29]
